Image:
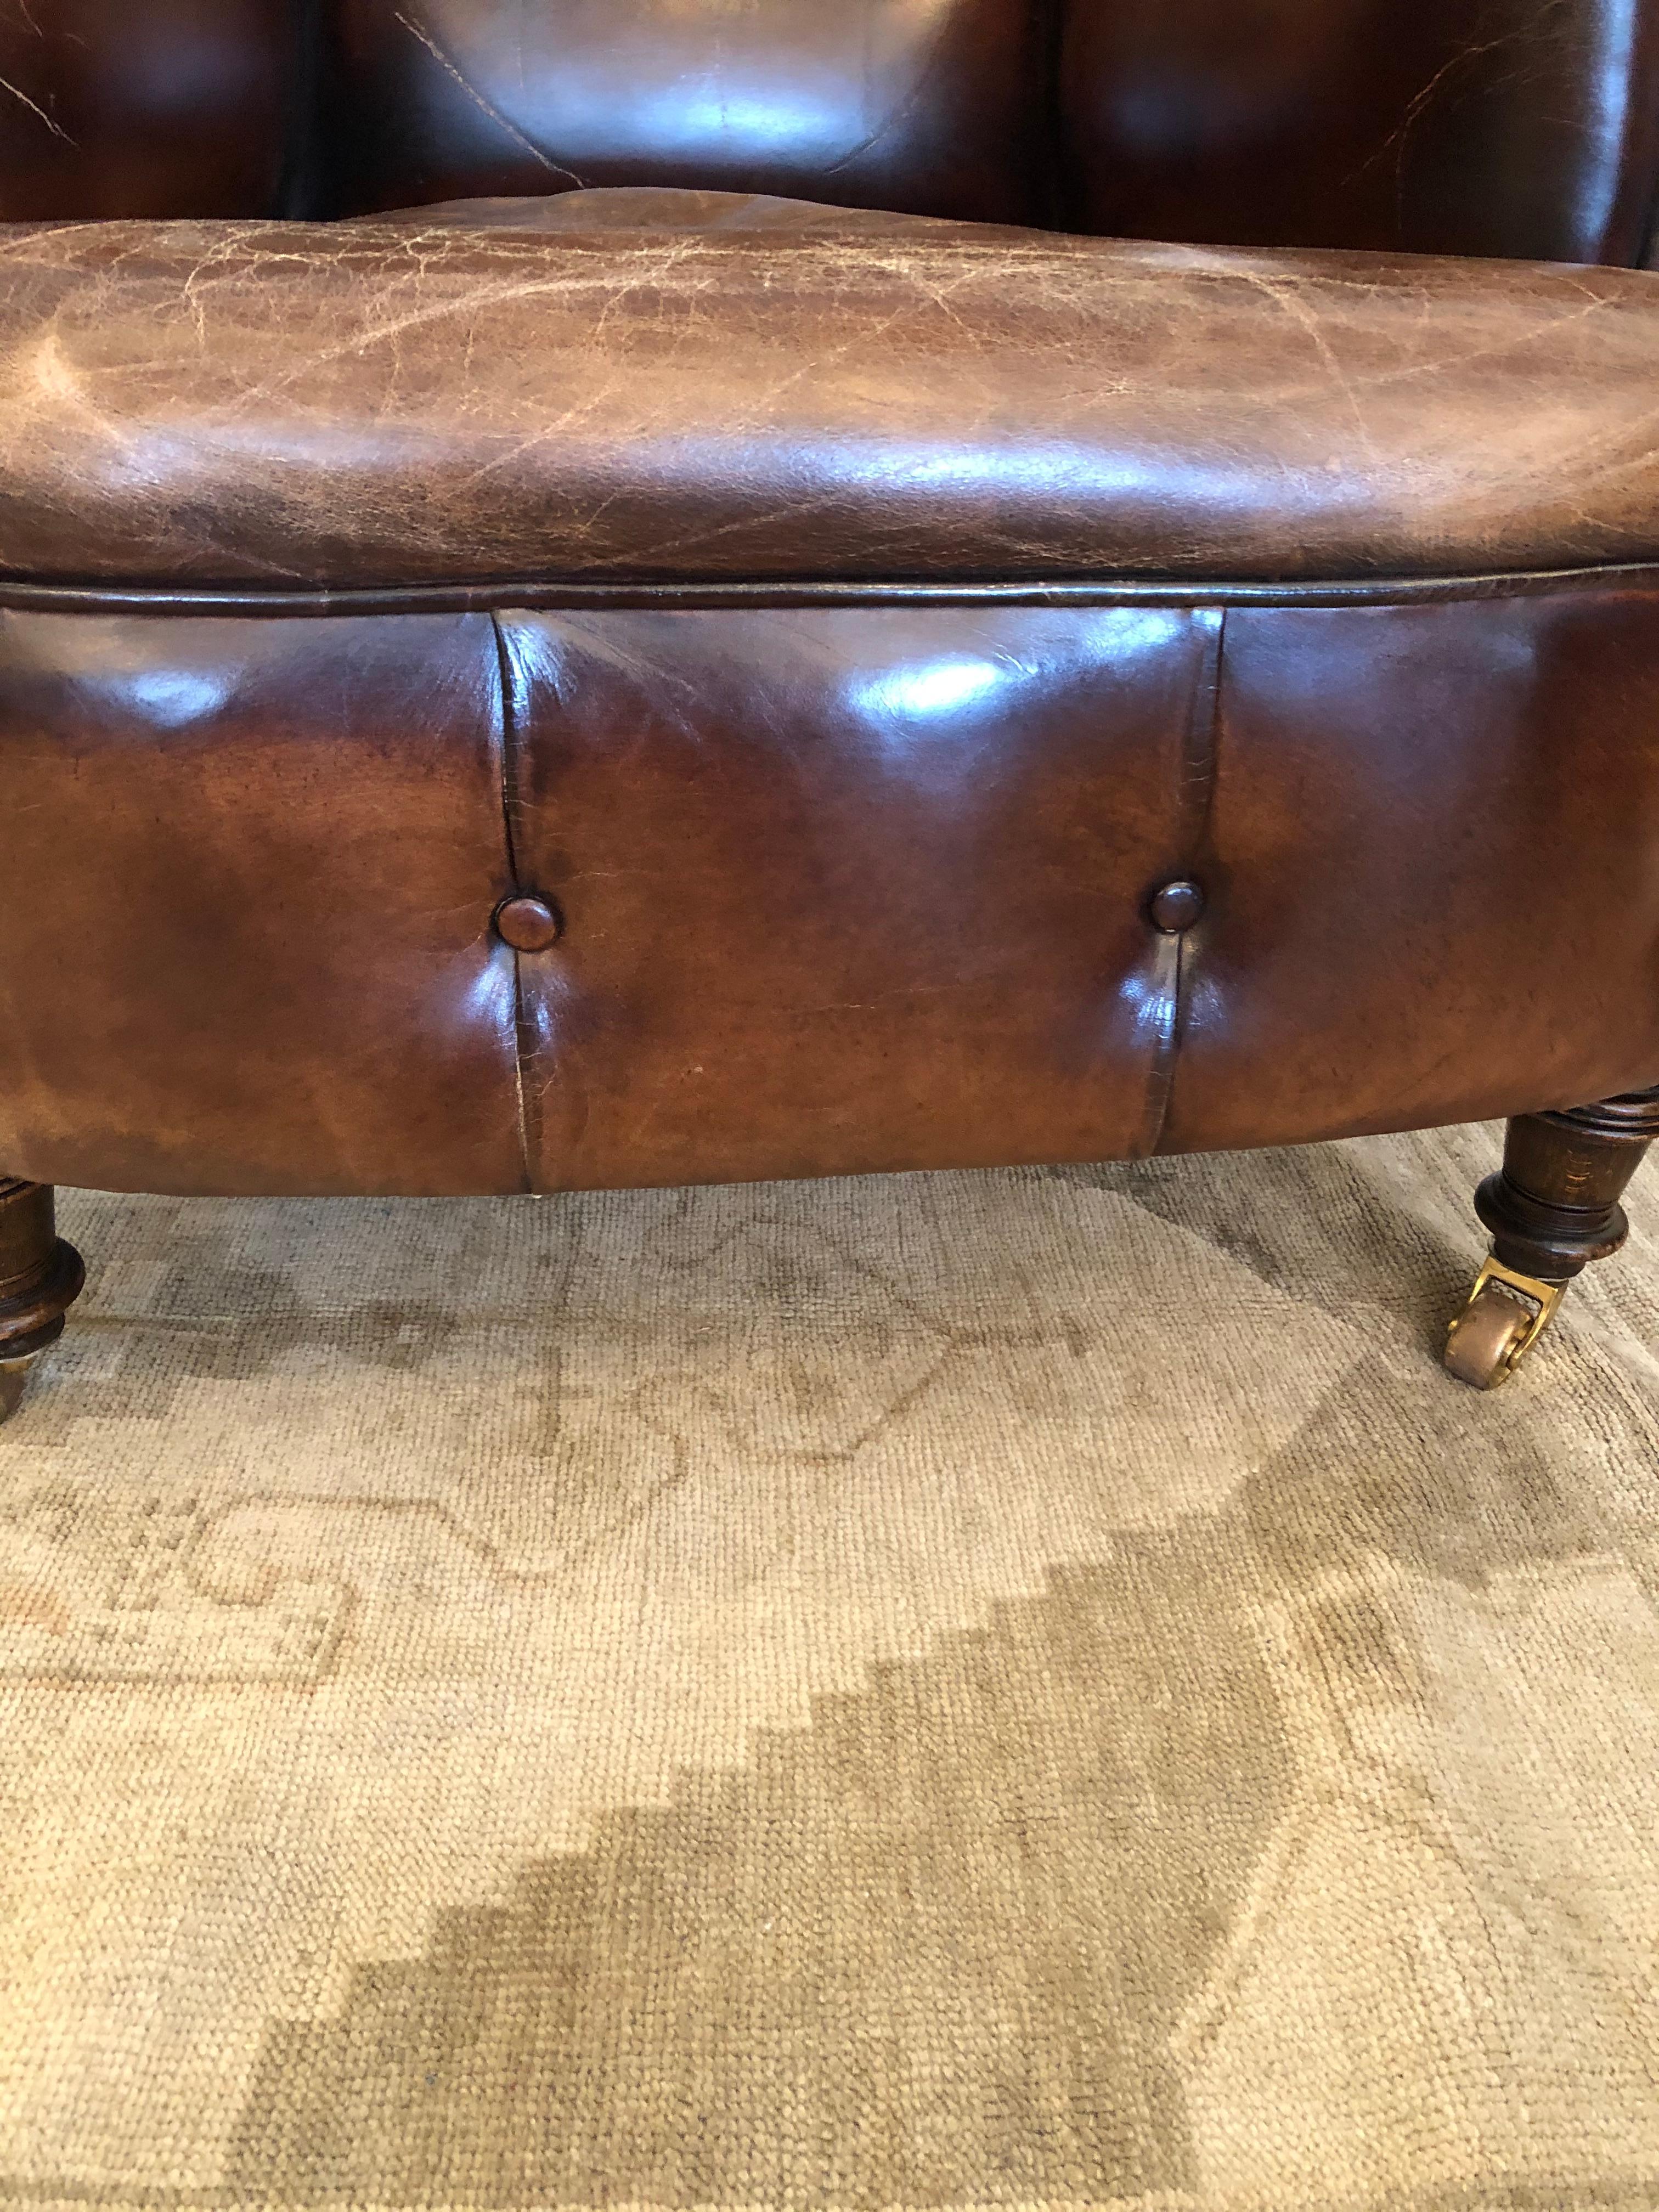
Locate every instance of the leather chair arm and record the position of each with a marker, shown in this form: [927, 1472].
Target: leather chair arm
[402, 404]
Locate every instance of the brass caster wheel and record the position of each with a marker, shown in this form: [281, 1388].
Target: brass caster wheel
[1506, 1314]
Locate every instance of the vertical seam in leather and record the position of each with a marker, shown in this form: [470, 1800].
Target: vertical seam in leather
[1166, 996]
[1198, 756]
[1175, 956]
[508, 727]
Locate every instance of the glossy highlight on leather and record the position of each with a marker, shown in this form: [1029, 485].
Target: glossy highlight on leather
[288, 848]
[1489, 127]
[840, 889]
[931, 105]
[700, 618]
[804, 402]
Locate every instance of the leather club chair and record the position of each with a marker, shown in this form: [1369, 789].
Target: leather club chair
[647, 591]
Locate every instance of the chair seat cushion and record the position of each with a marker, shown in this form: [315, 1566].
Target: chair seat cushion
[760, 393]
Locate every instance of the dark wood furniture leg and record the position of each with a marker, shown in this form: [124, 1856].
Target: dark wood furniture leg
[1552, 1208]
[40, 1277]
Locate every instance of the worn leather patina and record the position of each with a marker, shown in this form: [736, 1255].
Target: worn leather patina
[841, 888]
[910, 402]
[594, 595]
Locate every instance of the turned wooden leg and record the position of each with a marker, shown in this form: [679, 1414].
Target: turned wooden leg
[40, 1277]
[1552, 1208]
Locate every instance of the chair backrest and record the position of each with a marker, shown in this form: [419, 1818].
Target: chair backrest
[149, 107]
[1474, 126]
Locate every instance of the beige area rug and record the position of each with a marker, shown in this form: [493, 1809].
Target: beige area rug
[1021, 1689]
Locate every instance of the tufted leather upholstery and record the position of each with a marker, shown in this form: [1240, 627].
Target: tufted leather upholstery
[1464, 126]
[843, 888]
[731, 471]
[930, 106]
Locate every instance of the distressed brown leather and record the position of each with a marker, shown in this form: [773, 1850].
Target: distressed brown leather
[851, 889]
[1433, 854]
[846, 889]
[954, 403]
[937, 691]
[841, 888]
[245, 938]
[1463, 126]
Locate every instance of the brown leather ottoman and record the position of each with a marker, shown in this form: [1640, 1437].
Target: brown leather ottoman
[634, 676]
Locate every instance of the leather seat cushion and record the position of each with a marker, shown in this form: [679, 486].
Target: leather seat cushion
[774, 394]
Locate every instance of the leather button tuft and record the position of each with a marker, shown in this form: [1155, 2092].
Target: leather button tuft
[1176, 907]
[529, 924]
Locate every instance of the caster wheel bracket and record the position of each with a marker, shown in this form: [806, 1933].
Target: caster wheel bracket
[1506, 1315]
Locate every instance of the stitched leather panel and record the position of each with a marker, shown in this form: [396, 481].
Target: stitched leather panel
[848, 890]
[928, 105]
[1434, 850]
[474, 405]
[245, 940]
[841, 889]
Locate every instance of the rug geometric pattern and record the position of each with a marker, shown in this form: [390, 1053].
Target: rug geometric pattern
[1017, 1689]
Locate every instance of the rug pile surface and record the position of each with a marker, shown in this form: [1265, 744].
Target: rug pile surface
[1026, 1689]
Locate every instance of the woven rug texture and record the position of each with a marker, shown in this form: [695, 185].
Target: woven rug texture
[1026, 1689]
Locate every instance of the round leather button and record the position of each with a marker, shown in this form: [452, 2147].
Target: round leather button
[1176, 907]
[529, 924]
